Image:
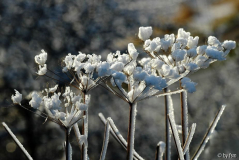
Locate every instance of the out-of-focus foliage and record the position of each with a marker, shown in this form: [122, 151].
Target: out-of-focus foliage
[60, 27]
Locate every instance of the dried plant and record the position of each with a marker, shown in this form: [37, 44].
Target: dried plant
[170, 60]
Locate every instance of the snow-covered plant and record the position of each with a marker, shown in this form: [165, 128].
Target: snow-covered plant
[170, 60]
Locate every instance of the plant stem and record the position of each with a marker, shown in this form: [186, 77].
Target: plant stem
[131, 130]
[167, 128]
[67, 144]
[83, 131]
[184, 119]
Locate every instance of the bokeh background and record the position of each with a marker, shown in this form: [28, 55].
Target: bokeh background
[103, 26]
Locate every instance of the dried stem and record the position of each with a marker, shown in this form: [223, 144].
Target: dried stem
[17, 141]
[184, 118]
[115, 132]
[106, 141]
[67, 132]
[131, 130]
[167, 127]
[208, 134]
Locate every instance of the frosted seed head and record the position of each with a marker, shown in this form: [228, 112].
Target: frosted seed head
[192, 42]
[213, 53]
[52, 90]
[145, 33]
[192, 52]
[17, 98]
[182, 34]
[201, 49]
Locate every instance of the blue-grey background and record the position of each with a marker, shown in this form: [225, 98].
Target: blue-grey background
[103, 26]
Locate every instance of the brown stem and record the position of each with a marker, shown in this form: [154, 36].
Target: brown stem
[67, 143]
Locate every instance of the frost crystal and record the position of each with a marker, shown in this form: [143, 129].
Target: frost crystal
[42, 70]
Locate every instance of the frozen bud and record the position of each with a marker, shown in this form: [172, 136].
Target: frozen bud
[170, 38]
[41, 58]
[175, 46]
[155, 81]
[156, 63]
[181, 69]
[178, 55]
[192, 52]
[89, 68]
[228, 45]
[144, 61]
[145, 33]
[139, 74]
[191, 66]
[152, 46]
[213, 41]
[60, 115]
[36, 100]
[129, 69]
[169, 72]
[182, 42]
[81, 106]
[117, 66]
[69, 60]
[188, 84]
[201, 49]
[53, 89]
[42, 70]
[202, 62]
[103, 69]
[132, 51]
[165, 44]
[64, 69]
[213, 53]
[119, 76]
[147, 43]
[192, 42]
[80, 57]
[17, 98]
[52, 103]
[182, 34]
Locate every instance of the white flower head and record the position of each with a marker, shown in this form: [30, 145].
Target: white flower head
[41, 58]
[145, 33]
[17, 98]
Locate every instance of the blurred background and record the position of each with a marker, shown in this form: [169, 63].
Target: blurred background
[103, 26]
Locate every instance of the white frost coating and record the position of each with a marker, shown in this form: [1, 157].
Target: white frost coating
[116, 131]
[161, 151]
[17, 98]
[41, 58]
[36, 100]
[171, 93]
[131, 149]
[42, 70]
[176, 136]
[189, 139]
[210, 131]
[106, 140]
[228, 45]
[77, 133]
[188, 85]
[145, 33]
[17, 141]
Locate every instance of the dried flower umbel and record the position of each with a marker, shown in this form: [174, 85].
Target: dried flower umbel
[170, 60]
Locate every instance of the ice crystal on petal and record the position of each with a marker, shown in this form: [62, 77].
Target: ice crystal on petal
[132, 51]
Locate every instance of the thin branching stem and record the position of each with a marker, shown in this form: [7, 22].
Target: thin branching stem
[67, 147]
